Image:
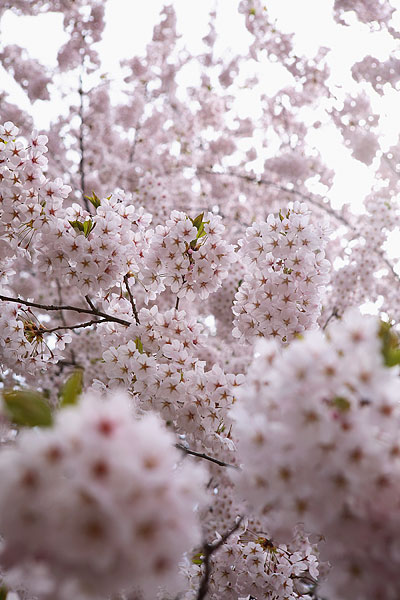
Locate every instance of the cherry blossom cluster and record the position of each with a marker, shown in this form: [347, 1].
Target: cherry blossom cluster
[91, 251]
[286, 271]
[159, 364]
[189, 256]
[318, 438]
[26, 71]
[361, 275]
[94, 252]
[89, 507]
[367, 11]
[23, 187]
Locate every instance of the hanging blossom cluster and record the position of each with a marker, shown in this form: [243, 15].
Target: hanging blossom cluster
[97, 504]
[286, 271]
[318, 438]
[159, 364]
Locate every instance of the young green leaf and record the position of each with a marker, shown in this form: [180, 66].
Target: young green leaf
[341, 403]
[27, 408]
[198, 220]
[77, 225]
[390, 345]
[139, 345]
[94, 199]
[72, 388]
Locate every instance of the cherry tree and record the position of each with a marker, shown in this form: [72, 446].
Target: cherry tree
[199, 348]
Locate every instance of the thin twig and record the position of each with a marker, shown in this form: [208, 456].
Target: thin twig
[207, 552]
[131, 300]
[334, 313]
[96, 312]
[87, 324]
[221, 463]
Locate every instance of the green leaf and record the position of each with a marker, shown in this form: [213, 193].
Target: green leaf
[72, 388]
[88, 226]
[139, 345]
[392, 358]
[200, 231]
[94, 199]
[198, 220]
[77, 225]
[27, 408]
[341, 403]
[197, 559]
[390, 344]
[84, 228]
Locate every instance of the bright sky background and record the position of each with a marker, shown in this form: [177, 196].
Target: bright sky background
[129, 29]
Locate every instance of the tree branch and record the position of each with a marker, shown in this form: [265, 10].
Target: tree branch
[94, 311]
[221, 463]
[131, 299]
[89, 301]
[208, 551]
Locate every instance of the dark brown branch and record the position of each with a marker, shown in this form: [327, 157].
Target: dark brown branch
[131, 300]
[94, 311]
[89, 301]
[221, 463]
[208, 551]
